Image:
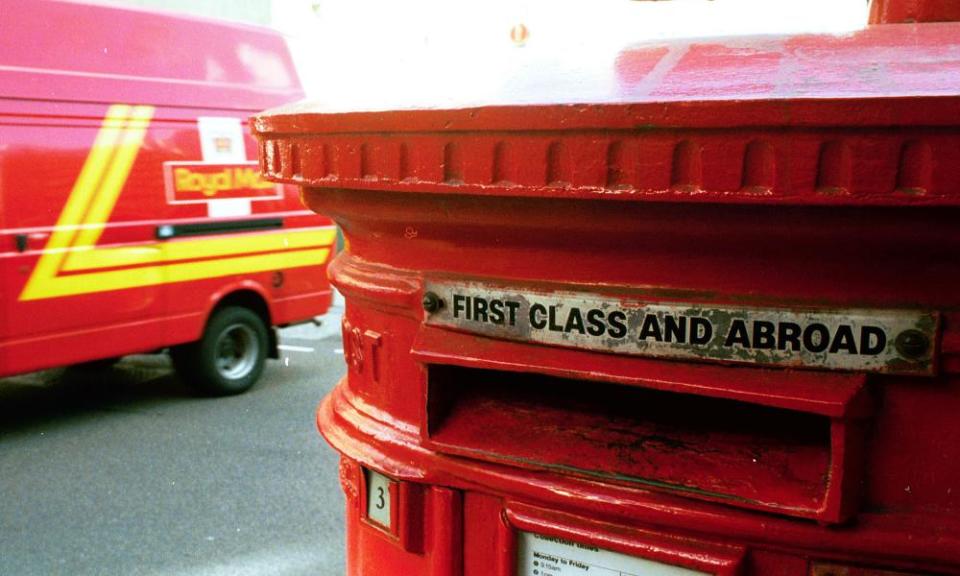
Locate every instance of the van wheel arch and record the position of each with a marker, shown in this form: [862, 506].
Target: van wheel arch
[230, 355]
[258, 304]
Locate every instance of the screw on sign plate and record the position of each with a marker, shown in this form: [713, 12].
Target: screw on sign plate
[431, 302]
[912, 344]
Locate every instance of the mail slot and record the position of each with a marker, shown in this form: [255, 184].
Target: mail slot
[696, 315]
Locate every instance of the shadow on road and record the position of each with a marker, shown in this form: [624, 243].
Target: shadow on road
[140, 383]
[132, 384]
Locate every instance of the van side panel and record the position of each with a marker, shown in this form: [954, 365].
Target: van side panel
[60, 51]
[97, 275]
[132, 202]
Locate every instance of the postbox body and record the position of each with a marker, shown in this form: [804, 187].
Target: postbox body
[694, 311]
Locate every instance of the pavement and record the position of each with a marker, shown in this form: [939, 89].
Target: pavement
[126, 471]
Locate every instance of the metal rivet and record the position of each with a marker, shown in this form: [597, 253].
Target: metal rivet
[431, 302]
[912, 344]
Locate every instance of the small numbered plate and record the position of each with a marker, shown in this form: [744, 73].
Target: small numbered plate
[380, 494]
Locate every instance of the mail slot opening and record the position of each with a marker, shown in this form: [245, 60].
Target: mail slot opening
[712, 448]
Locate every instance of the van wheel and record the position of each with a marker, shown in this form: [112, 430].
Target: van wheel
[230, 356]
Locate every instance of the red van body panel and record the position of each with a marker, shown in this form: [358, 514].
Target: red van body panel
[130, 203]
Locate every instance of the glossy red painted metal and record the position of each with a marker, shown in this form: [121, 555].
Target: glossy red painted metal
[785, 172]
[62, 66]
[680, 132]
[901, 11]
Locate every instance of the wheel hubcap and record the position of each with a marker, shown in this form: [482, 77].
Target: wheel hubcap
[237, 350]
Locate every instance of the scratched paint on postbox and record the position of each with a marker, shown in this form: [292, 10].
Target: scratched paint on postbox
[870, 340]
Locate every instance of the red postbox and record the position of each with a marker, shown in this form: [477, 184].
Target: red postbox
[698, 314]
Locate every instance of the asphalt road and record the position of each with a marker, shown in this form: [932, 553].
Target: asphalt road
[128, 472]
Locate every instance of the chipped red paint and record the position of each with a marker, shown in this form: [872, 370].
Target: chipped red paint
[800, 171]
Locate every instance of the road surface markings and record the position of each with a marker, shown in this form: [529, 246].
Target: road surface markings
[290, 348]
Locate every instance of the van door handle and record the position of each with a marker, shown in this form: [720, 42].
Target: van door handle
[21, 240]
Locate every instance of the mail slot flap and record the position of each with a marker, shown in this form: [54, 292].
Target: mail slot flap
[835, 395]
[738, 453]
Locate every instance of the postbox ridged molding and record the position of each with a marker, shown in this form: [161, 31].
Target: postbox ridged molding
[686, 167]
[452, 163]
[915, 168]
[879, 167]
[499, 163]
[366, 170]
[759, 167]
[558, 164]
[619, 175]
[834, 168]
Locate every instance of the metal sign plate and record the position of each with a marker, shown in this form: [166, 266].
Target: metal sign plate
[380, 499]
[890, 341]
[539, 555]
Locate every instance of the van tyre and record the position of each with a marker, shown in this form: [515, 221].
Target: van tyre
[230, 356]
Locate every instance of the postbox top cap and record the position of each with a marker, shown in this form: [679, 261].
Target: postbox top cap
[674, 83]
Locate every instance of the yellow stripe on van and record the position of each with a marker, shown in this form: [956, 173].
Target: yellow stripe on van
[106, 195]
[86, 186]
[195, 249]
[72, 264]
[90, 282]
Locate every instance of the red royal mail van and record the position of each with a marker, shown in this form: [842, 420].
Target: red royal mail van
[132, 214]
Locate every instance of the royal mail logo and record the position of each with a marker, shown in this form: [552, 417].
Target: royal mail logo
[73, 262]
[196, 182]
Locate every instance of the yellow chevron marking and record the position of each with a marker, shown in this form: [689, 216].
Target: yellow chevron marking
[167, 274]
[87, 183]
[105, 198]
[72, 245]
[174, 250]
